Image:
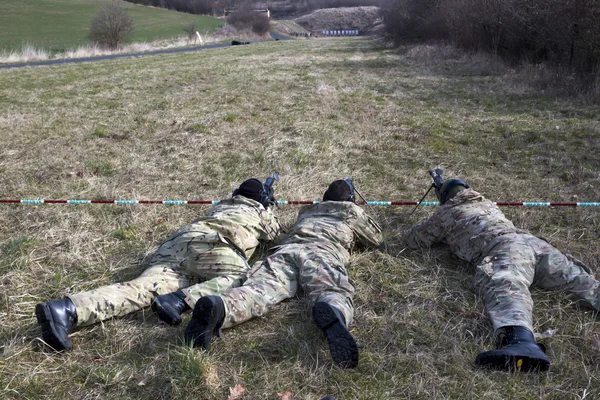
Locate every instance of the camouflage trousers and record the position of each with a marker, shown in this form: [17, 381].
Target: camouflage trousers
[517, 261]
[206, 269]
[320, 274]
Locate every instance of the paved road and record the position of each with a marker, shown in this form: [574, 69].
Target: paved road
[275, 36]
[278, 36]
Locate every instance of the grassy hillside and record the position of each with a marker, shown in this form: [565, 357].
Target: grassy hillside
[61, 24]
[361, 18]
[195, 125]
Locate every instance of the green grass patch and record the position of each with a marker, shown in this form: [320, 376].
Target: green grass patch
[197, 128]
[101, 131]
[58, 25]
[125, 234]
[194, 371]
[101, 167]
[15, 253]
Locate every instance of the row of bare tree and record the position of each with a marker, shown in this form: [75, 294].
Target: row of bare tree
[564, 32]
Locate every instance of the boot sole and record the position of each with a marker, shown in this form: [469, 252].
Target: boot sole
[199, 331]
[342, 345]
[49, 332]
[508, 362]
[164, 315]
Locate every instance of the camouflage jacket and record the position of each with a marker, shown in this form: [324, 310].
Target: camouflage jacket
[335, 226]
[238, 221]
[467, 223]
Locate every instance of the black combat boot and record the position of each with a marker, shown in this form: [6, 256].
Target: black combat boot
[169, 307]
[207, 318]
[341, 343]
[518, 351]
[57, 319]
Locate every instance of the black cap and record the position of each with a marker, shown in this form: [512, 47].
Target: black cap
[250, 188]
[338, 191]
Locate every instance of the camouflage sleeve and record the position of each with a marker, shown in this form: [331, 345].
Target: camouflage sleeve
[270, 228]
[368, 232]
[426, 233]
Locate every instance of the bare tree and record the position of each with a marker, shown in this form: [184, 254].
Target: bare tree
[112, 26]
[190, 30]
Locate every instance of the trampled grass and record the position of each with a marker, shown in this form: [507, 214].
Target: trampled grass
[59, 25]
[194, 125]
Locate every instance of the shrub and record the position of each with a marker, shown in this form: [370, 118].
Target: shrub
[248, 19]
[112, 26]
[190, 30]
[261, 25]
[410, 19]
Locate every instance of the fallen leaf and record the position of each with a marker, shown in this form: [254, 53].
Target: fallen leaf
[236, 392]
[289, 395]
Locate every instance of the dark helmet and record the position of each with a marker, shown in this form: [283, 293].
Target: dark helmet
[447, 191]
[340, 190]
[255, 190]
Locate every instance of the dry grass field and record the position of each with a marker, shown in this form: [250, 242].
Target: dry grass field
[194, 125]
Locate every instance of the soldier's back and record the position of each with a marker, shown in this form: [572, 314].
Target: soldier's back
[327, 223]
[471, 222]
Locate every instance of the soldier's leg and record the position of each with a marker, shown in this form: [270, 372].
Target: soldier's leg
[170, 307]
[559, 271]
[325, 282]
[58, 318]
[216, 265]
[268, 283]
[123, 298]
[219, 269]
[324, 278]
[503, 278]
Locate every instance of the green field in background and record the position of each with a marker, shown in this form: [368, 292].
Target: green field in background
[57, 25]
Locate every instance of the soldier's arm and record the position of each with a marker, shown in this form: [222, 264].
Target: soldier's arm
[271, 229]
[426, 233]
[367, 230]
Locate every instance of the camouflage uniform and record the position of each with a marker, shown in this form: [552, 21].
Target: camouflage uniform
[212, 250]
[313, 255]
[508, 260]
